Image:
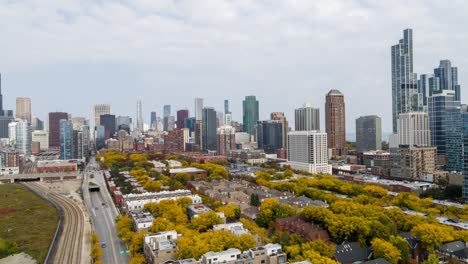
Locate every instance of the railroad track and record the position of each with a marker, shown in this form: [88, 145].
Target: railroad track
[70, 244]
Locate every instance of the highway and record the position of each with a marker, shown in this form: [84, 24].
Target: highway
[69, 247]
[103, 214]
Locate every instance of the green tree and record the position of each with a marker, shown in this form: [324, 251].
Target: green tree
[402, 245]
[254, 200]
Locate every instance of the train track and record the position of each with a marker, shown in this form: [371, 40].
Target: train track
[70, 243]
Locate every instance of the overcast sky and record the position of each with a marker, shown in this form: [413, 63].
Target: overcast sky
[68, 55]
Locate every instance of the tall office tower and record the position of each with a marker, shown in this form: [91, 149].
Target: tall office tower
[369, 133]
[199, 133]
[335, 122]
[220, 119]
[413, 129]
[270, 135]
[425, 87]
[190, 124]
[279, 116]
[465, 153]
[37, 124]
[198, 108]
[100, 137]
[23, 137]
[307, 118]
[307, 150]
[108, 121]
[405, 95]
[66, 139]
[42, 137]
[23, 108]
[209, 129]
[226, 107]
[12, 132]
[226, 139]
[171, 123]
[139, 117]
[101, 109]
[166, 114]
[78, 122]
[250, 109]
[448, 78]
[153, 120]
[83, 140]
[54, 129]
[181, 116]
[228, 119]
[6, 116]
[122, 120]
[445, 126]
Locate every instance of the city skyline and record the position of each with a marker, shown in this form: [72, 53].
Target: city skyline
[232, 72]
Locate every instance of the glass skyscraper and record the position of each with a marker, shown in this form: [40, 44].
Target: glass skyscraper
[465, 153]
[209, 129]
[66, 139]
[405, 94]
[250, 109]
[448, 78]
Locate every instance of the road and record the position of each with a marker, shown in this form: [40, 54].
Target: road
[69, 247]
[103, 214]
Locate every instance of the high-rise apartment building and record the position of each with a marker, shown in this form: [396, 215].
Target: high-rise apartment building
[78, 122]
[66, 139]
[209, 129]
[198, 108]
[100, 137]
[270, 136]
[153, 120]
[307, 150]
[445, 124]
[413, 129]
[448, 78]
[412, 162]
[465, 153]
[37, 124]
[405, 94]
[100, 109]
[23, 137]
[108, 121]
[23, 108]
[181, 116]
[6, 116]
[54, 129]
[250, 107]
[335, 122]
[226, 139]
[307, 118]
[190, 124]
[140, 123]
[369, 133]
[220, 119]
[280, 117]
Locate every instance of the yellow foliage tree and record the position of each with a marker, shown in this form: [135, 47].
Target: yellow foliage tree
[384, 249]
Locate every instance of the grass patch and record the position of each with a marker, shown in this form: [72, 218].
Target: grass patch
[27, 220]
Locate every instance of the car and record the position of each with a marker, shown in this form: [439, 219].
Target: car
[103, 245]
[103, 204]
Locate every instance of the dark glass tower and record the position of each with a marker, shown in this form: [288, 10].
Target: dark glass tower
[209, 129]
[250, 108]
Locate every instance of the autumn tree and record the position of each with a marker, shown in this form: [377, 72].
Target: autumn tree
[231, 211]
[433, 235]
[270, 210]
[384, 249]
[205, 221]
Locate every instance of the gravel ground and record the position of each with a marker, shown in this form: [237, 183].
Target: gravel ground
[21, 258]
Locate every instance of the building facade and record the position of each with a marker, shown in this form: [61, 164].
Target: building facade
[209, 129]
[412, 162]
[42, 137]
[405, 94]
[54, 129]
[181, 116]
[413, 129]
[226, 139]
[250, 108]
[108, 122]
[465, 153]
[23, 108]
[307, 118]
[270, 136]
[66, 140]
[23, 137]
[307, 150]
[335, 122]
[100, 109]
[369, 133]
[6, 116]
[280, 117]
[198, 108]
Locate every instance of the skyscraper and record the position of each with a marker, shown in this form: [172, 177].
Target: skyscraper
[307, 118]
[78, 121]
[101, 109]
[270, 135]
[23, 108]
[413, 129]
[181, 116]
[405, 94]
[369, 133]
[54, 129]
[335, 122]
[42, 137]
[37, 124]
[198, 108]
[108, 122]
[465, 153]
[190, 124]
[6, 116]
[226, 107]
[448, 78]
[166, 114]
[66, 139]
[307, 150]
[139, 117]
[279, 116]
[153, 120]
[23, 137]
[226, 139]
[209, 129]
[445, 126]
[250, 107]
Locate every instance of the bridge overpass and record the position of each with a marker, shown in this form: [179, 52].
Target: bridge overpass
[56, 176]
